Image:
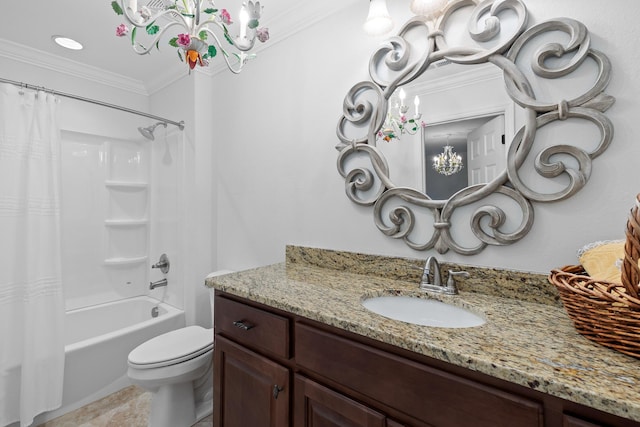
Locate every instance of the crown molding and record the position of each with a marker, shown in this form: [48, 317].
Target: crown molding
[461, 77]
[26, 55]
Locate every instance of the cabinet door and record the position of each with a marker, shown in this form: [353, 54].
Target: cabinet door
[318, 406]
[250, 390]
[570, 421]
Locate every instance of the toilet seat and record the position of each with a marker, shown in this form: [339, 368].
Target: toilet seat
[172, 348]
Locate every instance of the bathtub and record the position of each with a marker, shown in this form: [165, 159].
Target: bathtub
[98, 340]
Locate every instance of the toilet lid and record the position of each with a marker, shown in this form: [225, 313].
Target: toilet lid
[173, 347]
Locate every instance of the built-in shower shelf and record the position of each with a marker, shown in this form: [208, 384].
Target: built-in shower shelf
[126, 185]
[125, 222]
[125, 261]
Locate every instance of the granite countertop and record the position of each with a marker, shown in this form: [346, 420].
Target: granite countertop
[527, 339]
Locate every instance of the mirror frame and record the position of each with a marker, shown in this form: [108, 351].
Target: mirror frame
[372, 185]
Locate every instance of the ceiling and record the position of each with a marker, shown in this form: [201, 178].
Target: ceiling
[26, 29]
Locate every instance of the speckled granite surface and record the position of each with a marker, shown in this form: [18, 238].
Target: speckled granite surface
[528, 339]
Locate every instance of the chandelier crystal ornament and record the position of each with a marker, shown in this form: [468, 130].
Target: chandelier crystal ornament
[448, 162]
[397, 122]
[195, 23]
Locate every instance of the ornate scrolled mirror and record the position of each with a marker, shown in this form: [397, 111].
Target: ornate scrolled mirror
[476, 78]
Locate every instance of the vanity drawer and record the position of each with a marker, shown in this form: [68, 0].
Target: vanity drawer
[420, 391]
[252, 327]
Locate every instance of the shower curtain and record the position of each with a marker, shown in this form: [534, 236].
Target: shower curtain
[31, 300]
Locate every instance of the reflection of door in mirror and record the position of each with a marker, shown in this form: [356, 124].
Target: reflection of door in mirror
[478, 142]
[486, 151]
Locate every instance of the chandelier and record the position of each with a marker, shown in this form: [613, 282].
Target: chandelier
[197, 22]
[397, 122]
[448, 162]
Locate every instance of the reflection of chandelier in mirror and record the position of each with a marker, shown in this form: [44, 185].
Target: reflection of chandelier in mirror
[379, 22]
[448, 162]
[397, 122]
[196, 21]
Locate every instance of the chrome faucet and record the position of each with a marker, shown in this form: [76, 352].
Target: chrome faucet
[432, 269]
[153, 285]
[426, 284]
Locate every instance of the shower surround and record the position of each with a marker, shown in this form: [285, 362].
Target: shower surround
[119, 213]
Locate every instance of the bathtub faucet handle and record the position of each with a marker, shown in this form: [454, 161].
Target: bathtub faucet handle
[157, 284]
[163, 264]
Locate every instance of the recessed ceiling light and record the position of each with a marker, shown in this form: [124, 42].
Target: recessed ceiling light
[66, 42]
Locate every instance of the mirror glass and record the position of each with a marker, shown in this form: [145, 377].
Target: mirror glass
[471, 86]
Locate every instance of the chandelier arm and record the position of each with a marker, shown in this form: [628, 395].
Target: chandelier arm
[242, 57]
[155, 40]
[204, 26]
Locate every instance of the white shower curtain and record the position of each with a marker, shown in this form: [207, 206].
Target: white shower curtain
[31, 300]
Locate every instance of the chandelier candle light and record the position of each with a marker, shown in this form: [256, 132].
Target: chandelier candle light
[197, 19]
[398, 124]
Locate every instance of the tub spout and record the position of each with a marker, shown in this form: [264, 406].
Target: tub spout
[157, 284]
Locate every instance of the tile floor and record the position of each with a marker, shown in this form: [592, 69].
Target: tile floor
[128, 407]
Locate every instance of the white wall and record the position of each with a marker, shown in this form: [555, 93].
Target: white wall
[276, 174]
[193, 256]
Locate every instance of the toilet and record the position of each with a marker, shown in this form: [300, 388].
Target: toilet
[177, 368]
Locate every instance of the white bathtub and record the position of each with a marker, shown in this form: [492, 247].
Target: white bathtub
[98, 340]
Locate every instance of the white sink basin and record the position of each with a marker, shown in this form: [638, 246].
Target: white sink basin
[420, 311]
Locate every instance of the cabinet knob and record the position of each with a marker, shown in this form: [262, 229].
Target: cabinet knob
[242, 325]
[276, 391]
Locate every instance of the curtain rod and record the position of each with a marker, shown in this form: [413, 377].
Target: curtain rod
[180, 124]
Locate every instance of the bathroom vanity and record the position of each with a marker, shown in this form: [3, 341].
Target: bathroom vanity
[294, 346]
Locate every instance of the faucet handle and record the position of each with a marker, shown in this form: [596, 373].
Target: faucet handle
[163, 264]
[452, 288]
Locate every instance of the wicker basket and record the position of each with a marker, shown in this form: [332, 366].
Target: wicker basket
[607, 313]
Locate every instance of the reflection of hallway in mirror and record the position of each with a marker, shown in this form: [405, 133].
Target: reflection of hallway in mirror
[436, 185]
[478, 141]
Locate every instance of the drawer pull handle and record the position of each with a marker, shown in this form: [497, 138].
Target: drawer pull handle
[242, 325]
[276, 391]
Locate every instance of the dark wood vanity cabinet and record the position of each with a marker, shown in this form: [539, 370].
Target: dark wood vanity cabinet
[273, 368]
